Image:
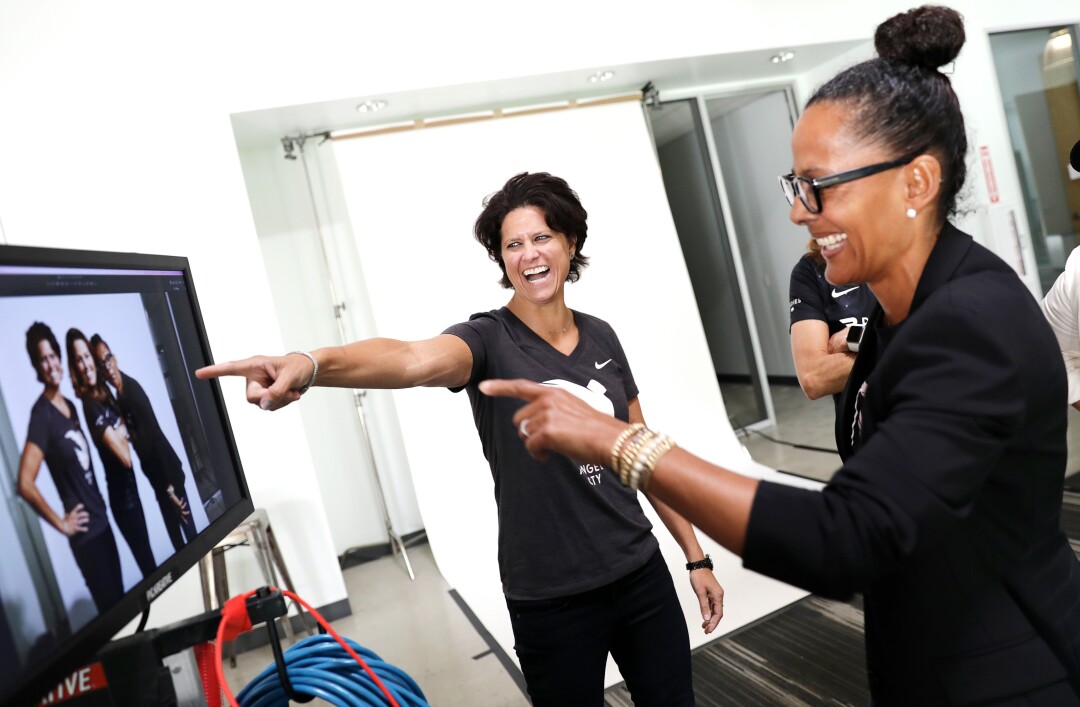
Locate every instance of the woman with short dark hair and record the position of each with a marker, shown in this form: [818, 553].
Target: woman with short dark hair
[55, 436]
[582, 572]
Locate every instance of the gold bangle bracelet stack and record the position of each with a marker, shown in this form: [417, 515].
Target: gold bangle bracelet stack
[636, 453]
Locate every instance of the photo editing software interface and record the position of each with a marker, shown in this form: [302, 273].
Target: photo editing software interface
[118, 466]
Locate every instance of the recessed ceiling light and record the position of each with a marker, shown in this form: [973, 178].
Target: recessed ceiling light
[372, 106]
[601, 76]
[782, 57]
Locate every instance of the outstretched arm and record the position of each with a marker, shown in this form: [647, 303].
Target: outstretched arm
[276, 381]
[714, 499]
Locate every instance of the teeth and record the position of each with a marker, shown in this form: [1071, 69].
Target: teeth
[537, 270]
[833, 239]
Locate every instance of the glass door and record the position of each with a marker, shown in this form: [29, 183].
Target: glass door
[1040, 87]
[692, 179]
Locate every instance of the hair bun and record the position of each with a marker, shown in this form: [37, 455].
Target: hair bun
[929, 36]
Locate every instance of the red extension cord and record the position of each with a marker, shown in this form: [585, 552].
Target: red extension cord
[235, 620]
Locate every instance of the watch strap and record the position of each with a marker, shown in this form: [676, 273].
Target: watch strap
[705, 564]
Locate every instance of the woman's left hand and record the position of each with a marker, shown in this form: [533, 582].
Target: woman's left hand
[555, 420]
[710, 596]
[180, 504]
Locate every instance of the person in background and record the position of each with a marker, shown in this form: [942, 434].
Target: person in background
[581, 569]
[110, 436]
[56, 437]
[157, 459]
[826, 323]
[946, 514]
[1061, 307]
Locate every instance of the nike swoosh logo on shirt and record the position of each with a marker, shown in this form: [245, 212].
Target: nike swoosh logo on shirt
[836, 294]
[601, 365]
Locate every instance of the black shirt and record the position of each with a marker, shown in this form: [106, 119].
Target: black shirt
[564, 526]
[812, 297]
[67, 454]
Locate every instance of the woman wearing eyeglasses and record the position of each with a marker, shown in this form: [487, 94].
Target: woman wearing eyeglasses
[946, 512]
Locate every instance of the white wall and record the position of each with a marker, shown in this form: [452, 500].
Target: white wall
[116, 119]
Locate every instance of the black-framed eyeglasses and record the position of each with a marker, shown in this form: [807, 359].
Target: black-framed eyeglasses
[809, 190]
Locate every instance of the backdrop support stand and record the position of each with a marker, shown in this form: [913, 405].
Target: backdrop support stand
[397, 545]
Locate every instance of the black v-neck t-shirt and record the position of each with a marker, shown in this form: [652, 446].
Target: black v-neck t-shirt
[564, 526]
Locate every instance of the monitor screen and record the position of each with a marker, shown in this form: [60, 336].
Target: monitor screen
[118, 466]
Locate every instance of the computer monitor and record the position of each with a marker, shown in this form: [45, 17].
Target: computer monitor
[118, 467]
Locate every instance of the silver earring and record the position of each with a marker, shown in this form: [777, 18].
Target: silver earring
[911, 213]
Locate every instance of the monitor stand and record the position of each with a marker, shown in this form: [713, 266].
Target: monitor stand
[135, 666]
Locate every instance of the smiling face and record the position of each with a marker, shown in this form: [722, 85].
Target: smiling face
[537, 259]
[108, 362]
[50, 372]
[85, 366]
[862, 228]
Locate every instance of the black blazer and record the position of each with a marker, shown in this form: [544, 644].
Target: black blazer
[946, 513]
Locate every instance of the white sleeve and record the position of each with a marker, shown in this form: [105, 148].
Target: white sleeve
[1062, 309]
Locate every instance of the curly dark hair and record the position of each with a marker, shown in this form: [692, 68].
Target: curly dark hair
[38, 332]
[562, 209]
[901, 101]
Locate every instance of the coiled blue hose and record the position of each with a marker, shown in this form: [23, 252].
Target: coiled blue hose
[319, 667]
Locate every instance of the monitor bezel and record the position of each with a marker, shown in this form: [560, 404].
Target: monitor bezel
[81, 647]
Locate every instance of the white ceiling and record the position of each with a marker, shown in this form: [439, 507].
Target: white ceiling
[263, 128]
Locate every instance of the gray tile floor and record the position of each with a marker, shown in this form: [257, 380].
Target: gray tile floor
[418, 627]
[799, 420]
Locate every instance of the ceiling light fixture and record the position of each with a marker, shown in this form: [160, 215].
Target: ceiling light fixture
[602, 76]
[782, 57]
[372, 106]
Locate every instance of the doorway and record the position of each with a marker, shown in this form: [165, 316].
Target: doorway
[720, 156]
[1038, 71]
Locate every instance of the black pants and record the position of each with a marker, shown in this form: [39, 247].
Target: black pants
[563, 643]
[99, 561]
[127, 510]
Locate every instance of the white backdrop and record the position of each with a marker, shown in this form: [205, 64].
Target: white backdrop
[413, 198]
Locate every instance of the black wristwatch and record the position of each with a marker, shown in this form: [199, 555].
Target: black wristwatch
[854, 337]
[705, 564]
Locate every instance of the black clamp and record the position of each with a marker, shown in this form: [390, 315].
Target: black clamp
[266, 605]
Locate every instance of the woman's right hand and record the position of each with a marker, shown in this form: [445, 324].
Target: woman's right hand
[272, 381]
[838, 341]
[554, 420]
[75, 521]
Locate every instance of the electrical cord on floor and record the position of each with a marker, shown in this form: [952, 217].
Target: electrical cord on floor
[743, 431]
[794, 444]
[329, 667]
[318, 666]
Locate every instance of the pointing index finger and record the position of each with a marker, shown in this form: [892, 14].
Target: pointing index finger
[515, 388]
[228, 368]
